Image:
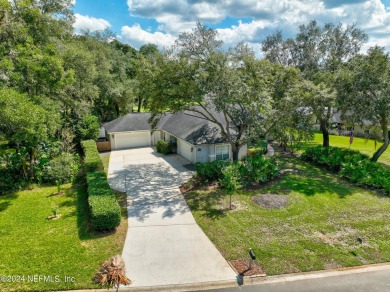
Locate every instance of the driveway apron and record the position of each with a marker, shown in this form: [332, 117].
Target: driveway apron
[164, 245]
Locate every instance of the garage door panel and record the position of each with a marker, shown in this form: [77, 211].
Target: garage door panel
[132, 140]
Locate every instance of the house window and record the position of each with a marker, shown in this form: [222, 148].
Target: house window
[221, 152]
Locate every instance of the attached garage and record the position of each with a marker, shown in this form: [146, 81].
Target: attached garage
[184, 149]
[130, 140]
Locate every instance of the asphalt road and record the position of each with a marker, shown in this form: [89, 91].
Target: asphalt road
[373, 281]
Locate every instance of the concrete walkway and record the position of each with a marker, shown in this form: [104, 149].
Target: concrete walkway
[164, 245]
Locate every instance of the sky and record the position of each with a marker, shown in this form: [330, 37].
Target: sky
[139, 22]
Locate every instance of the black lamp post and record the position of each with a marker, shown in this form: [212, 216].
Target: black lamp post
[252, 258]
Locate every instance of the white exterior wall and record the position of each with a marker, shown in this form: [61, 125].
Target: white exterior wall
[202, 153]
[156, 136]
[184, 149]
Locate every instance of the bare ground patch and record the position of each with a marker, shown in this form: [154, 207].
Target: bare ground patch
[270, 200]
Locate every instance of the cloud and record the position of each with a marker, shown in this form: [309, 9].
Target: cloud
[84, 22]
[261, 18]
[136, 36]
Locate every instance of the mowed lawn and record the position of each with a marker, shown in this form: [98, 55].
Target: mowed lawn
[363, 145]
[32, 246]
[319, 228]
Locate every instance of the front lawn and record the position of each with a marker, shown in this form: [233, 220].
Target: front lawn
[327, 222]
[363, 145]
[32, 246]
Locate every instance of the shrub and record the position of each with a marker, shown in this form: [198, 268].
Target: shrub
[9, 181]
[104, 208]
[88, 128]
[92, 160]
[210, 171]
[258, 169]
[12, 172]
[62, 168]
[350, 164]
[163, 147]
[332, 158]
[367, 173]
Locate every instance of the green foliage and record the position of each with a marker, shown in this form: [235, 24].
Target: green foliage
[163, 147]
[332, 158]
[28, 123]
[350, 164]
[61, 169]
[104, 208]
[92, 160]
[230, 180]
[88, 128]
[367, 173]
[10, 180]
[258, 169]
[252, 169]
[363, 88]
[210, 171]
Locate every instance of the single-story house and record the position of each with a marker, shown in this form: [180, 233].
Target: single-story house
[196, 139]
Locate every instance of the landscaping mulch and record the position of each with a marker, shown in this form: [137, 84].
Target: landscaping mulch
[242, 268]
[270, 200]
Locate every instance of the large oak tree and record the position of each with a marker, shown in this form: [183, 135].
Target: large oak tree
[319, 53]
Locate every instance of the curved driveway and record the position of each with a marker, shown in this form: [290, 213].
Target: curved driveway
[164, 245]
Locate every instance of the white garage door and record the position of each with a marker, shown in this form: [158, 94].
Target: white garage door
[132, 140]
[185, 150]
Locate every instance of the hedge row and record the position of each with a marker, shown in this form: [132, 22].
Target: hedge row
[350, 164]
[104, 208]
[92, 160]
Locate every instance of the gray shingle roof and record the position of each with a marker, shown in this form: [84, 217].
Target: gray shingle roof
[129, 122]
[192, 128]
[186, 125]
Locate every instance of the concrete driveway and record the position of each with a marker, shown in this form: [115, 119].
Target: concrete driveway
[164, 245]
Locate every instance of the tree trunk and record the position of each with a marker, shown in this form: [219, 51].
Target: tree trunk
[235, 151]
[32, 160]
[385, 133]
[139, 104]
[117, 110]
[325, 133]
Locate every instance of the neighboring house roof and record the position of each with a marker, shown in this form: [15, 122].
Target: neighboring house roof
[186, 125]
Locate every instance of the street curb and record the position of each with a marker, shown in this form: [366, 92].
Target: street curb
[253, 281]
[175, 287]
[319, 274]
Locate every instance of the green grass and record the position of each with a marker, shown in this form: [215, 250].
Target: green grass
[32, 245]
[318, 229]
[363, 145]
